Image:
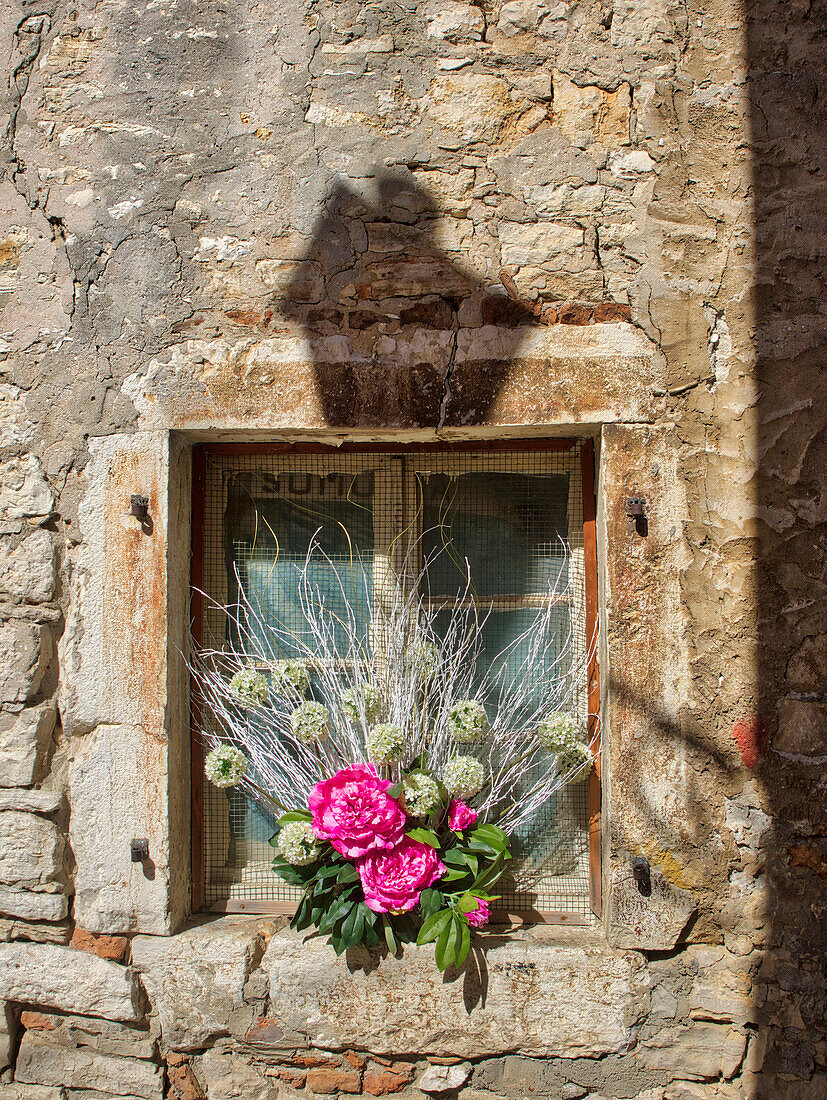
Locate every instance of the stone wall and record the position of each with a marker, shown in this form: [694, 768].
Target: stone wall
[417, 220]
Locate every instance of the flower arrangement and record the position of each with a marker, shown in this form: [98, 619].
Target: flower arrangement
[399, 766]
[367, 853]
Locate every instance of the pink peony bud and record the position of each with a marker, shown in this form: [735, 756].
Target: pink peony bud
[480, 916]
[460, 816]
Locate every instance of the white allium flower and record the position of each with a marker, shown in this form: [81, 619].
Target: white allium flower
[250, 686]
[369, 697]
[225, 766]
[290, 676]
[467, 721]
[425, 660]
[309, 722]
[573, 759]
[560, 731]
[385, 742]
[298, 843]
[421, 794]
[463, 776]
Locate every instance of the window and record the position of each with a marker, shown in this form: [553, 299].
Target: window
[513, 517]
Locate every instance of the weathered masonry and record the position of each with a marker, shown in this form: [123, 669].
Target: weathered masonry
[432, 225]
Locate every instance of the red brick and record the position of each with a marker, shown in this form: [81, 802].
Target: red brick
[379, 1082]
[308, 1060]
[113, 948]
[293, 1077]
[612, 311]
[264, 1031]
[183, 1084]
[36, 1021]
[574, 314]
[331, 1079]
[354, 1059]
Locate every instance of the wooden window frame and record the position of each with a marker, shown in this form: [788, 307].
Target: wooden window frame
[587, 472]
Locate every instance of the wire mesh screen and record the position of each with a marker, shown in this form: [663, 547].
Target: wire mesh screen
[488, 528]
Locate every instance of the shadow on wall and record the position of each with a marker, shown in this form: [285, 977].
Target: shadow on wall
[393, 335]
[788, 102]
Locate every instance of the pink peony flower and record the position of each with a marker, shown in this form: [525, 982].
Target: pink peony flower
[392, 881]
[460, 816]
[353, 811]
[480, 916]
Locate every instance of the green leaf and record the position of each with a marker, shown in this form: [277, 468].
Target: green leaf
[430, 901]
[404, 928]
[338, 910]
[390, 938]
[348, 873]
[464, 942]
[352, 927]
[492, 834]
[289, 874]
[301, 918]
[295, 815]
[490, 875]
[338, 944]
[460, 857]
[433, 927]
[425, 836]
[395, 790]
[479, 845]
[455, 875]
[448, 943]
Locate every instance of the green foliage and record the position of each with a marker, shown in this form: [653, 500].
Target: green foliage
[333, 902]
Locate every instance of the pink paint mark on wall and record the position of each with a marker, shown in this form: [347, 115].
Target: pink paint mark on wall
[750, 736]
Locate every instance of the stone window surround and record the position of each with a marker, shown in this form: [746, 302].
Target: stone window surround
[487, 455]
[124, 691]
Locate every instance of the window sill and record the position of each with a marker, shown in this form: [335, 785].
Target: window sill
[535, 991]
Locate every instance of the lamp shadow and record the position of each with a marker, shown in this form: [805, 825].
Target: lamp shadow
[398, 328]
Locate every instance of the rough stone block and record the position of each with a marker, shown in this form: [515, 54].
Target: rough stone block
[518, 16]
[114, 782]
[721, 986]
[25, 652]
[33, 906]
[67, 980]
[24, 493]
[540, 999]
[103, 1036]
[454, 22]
[326, 1080]
[438, 1079]
[24, 740]
[654, 921]
[537, 242]
[195, 980]
[802, 728]
[31, 850]
[43, 1062]
[17, 928]
[27, 570]
[16, 1090]
[229, 1077]
[474, 107]
[703, 1050]
[585, 114]
[32, 802]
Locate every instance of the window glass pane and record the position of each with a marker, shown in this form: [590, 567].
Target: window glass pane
[505, 527]
[269, 525]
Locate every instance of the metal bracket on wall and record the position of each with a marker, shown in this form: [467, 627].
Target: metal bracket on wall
[636, 510]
